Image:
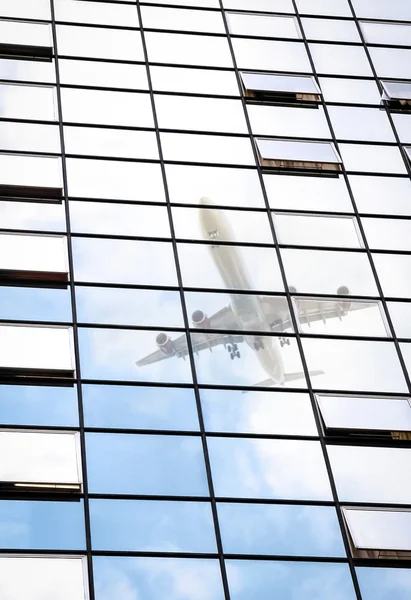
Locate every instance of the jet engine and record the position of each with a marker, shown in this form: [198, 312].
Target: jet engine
[344, 291]
[292, 289]
[200, 320]
[165, 344]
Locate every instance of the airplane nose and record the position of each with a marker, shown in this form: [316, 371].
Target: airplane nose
[205, 200]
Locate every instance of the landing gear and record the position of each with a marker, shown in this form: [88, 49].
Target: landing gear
[258, 345]
[232, 349]
[284, 341]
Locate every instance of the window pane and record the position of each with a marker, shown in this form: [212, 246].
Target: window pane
[339, 359]
[207, 148]
[103, 74]
[29, 137]
[266, 82]
[37, 171]
[160, 526]
[43, 576]
[40, 525]
[385, 195]
[295, 151]
[139, 407]
[375, 159]
[391, 62]
[194, 81]
[275, 529]
[110, 142]
[365, 474]
[99, 43]
[157, 578]
[379, 9]
[305, 581]
[96, 13]
[327, 29]
[390, 234]
[310, 230]
[265, 26]
[393, 272]
[379, 529]
[271, 55]
[245, 468]
[176, 48]
[27, 70]
[401, 317]
[380, 584]
[26, 34]
[387, 33]
[288, 121]
[32, 215]
[277, 412]
[361, 124]
[39, 458]
[340, 60]
[182, 19]
[26, 9]
[365, 413]
[146, 464]
[351, 91]
[260, 5]
[338, 8]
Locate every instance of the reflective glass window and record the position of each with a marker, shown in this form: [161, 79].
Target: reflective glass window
[276, 412]
[19, 40]
[103, 74]
[350, 91]
[340, 60]
[330, 29]
[97, 13]
[401, 317]
[310, 230]
[298, 155]
[385, 195]
[154, 17]
[40, 460]
[262, 468]
[157, 525]
[393, 272]
[156, 578]
[30, 171]
[32, 215]
[279, 529]
[194, 81]
[366, 474]
[97, 42]
[379, 9]
[26, 9]
[403, 126]
[27, 70]
[28, 102]
[338, 8]
[338, 360]
[260, 5]
[391, 62]
[302, 580]
[43, 576]
[42, 525]
[390, 234]
[400, 90]
[176, 48]
[271, 55]
[265, 26]
[127, 355]
[139, 407]
[29, 137]
[36, 349]
[281, 88]
[379, 530]
[110, 142]
[34, 303]
[380, 584]
[288, 121]
[362, 413]
[361, 124]
[387, 33]
[146, 464]
[373, 159]
[329, 272]
[207, 148]
[195, 3]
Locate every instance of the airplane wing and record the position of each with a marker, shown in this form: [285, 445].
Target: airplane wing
[222, 319]
[308, 311]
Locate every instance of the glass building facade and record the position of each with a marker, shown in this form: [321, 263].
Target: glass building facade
[205, 299]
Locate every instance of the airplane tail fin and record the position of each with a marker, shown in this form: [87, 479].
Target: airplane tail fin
[288, 377]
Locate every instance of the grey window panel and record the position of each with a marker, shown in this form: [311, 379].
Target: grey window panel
[265, 25]
[36, 351]
[284, 154]
[376, 533]
[33, 257]
[397, 94]
[40, 461]
[25, 40]
[366, 415]
[280, 88]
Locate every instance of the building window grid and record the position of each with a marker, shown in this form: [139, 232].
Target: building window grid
[197, 386]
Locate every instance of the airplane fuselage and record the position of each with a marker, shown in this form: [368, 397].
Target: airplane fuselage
[246, 308]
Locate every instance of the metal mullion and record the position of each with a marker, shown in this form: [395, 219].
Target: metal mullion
[386, 312]
[206, 456]
[74, 316]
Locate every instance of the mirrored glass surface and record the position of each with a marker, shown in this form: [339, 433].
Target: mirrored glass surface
[103, 74]
[279, 83]
[183, 49]
[39, 256]
[25, 34]
[336, 317]
[155, 578]
[302, 580]
[338, 8]
[403, 126]
[207, 148]
[365, 413]
[290, 192]
[374, 159]
[279, 529]
[248, 468]
[388, 234]
[380, 584]
[194, 3]
[122, 306]
[39, 458]
[401, 317]
[120, 354]
[43, 575]
[27, 70]
[115, 180]
[95, 42]
[34, 304]
[329, 272]
[110, 142]
[391, 62]
[351, 91]
[379, 529]
[398, 90]
[41, 171]
[113, 218]
[366, 474]
[40, 525]
[108, 108]
[194, 81]
[285, 6]
[387, 33]
[155, 17]
[232, 411]
[311, 230]
[209, 223]
[361, 124]
[29, 137]
[200, 114]
[38, 405]
[381, 10]
[225, 187]
[297, 152]
[97, 13]
[271, 55]
[152, 526]
[264, 26]
[32, 215]
[123, 261]
[26, 9]
[166, 465]
[340, 60]
[139, 407]
[330, 29]
[229, 267]
[338, 360]
[288, 121]
[393, 272]
[385, 195]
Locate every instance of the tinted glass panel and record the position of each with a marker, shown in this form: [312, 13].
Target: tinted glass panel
[379, 529]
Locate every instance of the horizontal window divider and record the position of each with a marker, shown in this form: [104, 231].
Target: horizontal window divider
[38, 428]
[211, 34]
[143, 554]
[375, 505]
[116, 201]
[112, 158]
[122, 382]
[41, 551]
[47, 324]
[127, 286]
[153, 328]
[287, 558]
[98, 25]
[194, 433]
[274, 501]
[30, 495]
[101, 88]
[12, 51]
[150, 497]
[151, 64]
[107, 126]
[38, 232]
